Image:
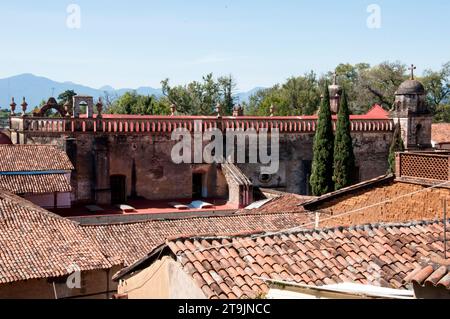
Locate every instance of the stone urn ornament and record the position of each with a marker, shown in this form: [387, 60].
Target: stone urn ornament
[24, 106]
[13, 107]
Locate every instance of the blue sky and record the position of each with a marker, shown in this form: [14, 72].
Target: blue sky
[260, 42]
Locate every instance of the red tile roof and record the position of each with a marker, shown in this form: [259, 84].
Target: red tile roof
[441, 133]
[35, 243]
[234, 266]
[131, 242]
[377, 112]
[431, 275]
[35, 184]
[22, 158]
[287, 203]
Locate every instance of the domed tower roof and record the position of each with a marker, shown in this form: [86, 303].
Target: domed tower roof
[4, 139]
[411, 87]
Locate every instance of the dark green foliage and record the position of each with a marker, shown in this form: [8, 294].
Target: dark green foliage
[201, 97]
[66, 97]
[396, 146]
[133, 103]
[322, 167]
[344, 157]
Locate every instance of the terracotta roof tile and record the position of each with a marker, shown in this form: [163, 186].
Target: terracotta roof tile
[35, 243]
[441, 133]
[21, 158]
[131, 242]
[431, 274]
[386, 266]
[35, 184]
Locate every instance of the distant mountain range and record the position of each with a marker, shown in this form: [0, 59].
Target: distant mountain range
[36, 89]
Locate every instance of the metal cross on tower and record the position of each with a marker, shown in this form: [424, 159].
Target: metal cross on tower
[412, 68]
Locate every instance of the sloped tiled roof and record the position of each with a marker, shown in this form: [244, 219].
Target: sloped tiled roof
[288, 203]
[23, 158]
[35, 243]
[441, 133]
[232, 267]
[431, 274]
[35, 184]
[131, 242]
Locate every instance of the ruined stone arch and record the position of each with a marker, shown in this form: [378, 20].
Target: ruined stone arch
[51, 105]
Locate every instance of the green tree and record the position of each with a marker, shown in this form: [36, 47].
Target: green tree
[195, 98]
[297, 96]
[379, 84]
[437, 85]
[226, 88]
[397, 145]
[322, 167]
[66, 97]
[344, 157]
[133, 103]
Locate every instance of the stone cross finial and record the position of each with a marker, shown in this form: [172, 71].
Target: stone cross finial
[13, 107]
[24, 106]
[334, 78]
[412, 68]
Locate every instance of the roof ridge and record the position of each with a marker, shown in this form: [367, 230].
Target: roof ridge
[235, 214]
[313, 231]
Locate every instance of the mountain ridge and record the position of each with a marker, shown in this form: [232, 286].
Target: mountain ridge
[36, 88]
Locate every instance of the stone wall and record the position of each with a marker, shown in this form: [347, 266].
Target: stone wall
[423, 204]
[145, 161]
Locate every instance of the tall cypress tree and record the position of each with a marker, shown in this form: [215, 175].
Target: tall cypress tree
[344, 157]
[322, 166]
[397, 146]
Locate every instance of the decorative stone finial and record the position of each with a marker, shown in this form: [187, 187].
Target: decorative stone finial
[173, 109]
[24, 106]
[273, 110]
[13, 107]
[335, 91]
[219, 110]
[412, 68]
[68, 108]
[99, 107]
[238, 110]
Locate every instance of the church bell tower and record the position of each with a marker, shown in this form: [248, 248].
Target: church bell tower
[411, 110]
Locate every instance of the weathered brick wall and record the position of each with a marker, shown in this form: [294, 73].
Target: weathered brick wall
[426, 204]
[159, 178]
